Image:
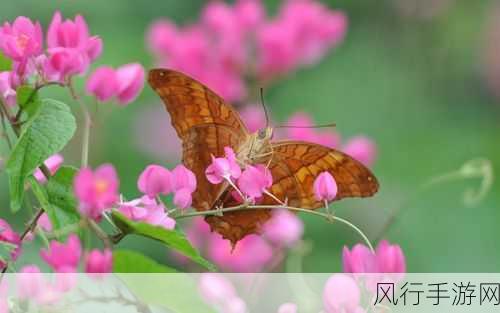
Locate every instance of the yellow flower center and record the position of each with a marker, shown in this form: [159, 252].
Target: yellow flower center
[22, 41]
[101, 186]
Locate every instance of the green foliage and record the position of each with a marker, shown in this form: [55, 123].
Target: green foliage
[127, 261]
[46, 133]
[6, 249]
[27, 99]
[5, 63]
[62, 199]
[171, 238]
[57, 198]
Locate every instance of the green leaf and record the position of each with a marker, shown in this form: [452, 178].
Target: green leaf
[27, 99]
[5, 63]
[60, 195]
[171, 238]
[127, 261]
[46, 133]
[6, 249]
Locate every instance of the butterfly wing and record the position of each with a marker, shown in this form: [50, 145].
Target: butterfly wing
[204, 123]
[294, 166]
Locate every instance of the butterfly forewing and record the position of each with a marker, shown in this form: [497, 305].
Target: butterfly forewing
[204, 123]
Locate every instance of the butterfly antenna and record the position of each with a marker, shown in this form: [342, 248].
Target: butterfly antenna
[331, 125]
[264, 106]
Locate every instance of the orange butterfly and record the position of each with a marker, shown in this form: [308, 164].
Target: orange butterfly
[206, 124]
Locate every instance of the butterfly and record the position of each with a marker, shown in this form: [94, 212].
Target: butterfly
[206, 124]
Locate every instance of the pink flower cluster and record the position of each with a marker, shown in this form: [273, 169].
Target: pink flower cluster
[253, 253]
[11, 240]
[70, 51]
[156, 180]
[252, 182]
[342, 292]
[230, 43]
[147, 210]
[124, 83]
[387, 259]
[65, 257]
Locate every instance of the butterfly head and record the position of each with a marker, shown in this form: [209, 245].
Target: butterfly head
[265, 133]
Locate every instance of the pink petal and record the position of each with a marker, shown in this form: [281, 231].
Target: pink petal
[102, 84]
[130, 81]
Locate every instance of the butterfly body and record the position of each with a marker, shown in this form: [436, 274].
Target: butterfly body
[256, 147]
[206, 124]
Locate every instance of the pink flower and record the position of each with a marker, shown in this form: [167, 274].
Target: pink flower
[135, 210]
[147, 210]
[315, 28]
[63, 257]
[223, 168]
[387, 259]
[234, 305]
[184, 184]
[162, 36]
[183, 199]
[183, 178]
[325, 187]
[74, 35]
[254, 117]
[390, 258]
[130, 79]
[283, 229]
[341, 294]
[276, 48]
[52, 163]
[362, 149]
[158, 217]
[302, 130]
[288, 308]
[359, 260]
[30, 282]
[7, 90]
[251, 253]
[99, 263]
[62, 63]
[255, 180]
[21, 40]
[10, 238]
[249, 13]
[44, 223]
[102, 84]
[155, 180]
[96, 191]
[215, 289]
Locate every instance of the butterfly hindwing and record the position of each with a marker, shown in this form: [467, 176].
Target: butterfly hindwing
[296, 164]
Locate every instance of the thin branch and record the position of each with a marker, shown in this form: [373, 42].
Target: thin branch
[87, 124]
[101, 234]
[244, 207]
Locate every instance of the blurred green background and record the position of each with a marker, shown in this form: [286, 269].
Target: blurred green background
[410, 74]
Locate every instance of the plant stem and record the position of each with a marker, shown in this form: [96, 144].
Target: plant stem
[243, 207]
[87, 123]
[101, 234]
